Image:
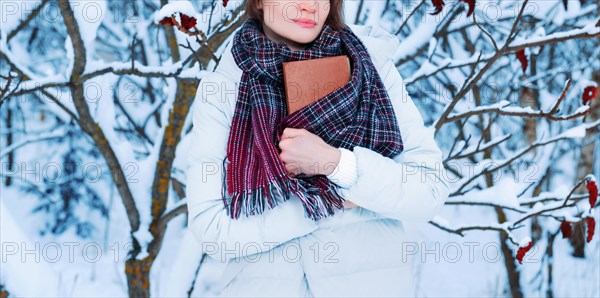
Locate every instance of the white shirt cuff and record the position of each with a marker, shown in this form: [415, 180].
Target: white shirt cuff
[344, 174]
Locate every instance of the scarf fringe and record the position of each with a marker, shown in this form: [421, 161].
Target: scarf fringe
[319, 201]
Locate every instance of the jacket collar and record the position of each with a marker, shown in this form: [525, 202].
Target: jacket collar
[380, 44]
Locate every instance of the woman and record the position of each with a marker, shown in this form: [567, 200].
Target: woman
[377, 156]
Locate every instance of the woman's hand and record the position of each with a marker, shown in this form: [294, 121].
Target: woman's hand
[306, 153]
[303, 152]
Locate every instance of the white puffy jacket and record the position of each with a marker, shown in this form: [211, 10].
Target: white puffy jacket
[356, 252]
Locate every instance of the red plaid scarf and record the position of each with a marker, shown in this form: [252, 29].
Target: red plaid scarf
[357, 114]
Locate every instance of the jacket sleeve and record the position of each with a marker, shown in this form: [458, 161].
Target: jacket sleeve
[410, 186]
[222, 237]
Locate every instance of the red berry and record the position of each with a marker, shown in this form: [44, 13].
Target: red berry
[522, 58]
[565, 228]
[593, 191]
[522, 251]
[589, 93]
[591, 226]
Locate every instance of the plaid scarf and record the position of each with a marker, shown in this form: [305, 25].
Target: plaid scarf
[357, 114]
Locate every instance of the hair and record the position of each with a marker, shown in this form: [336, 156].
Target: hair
[335, 19]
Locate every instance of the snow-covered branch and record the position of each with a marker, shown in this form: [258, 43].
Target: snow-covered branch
[492, 166]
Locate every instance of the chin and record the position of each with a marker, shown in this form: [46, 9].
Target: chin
[306, 37]
[304, 40]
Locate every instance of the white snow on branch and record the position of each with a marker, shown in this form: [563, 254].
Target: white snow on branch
[444, 224]
[589, 29]
[504, 193]
[492, 165]
[168, 69]
[500, 105]
[525, 241]
[174, 8]
[577, 131]
[411, 44]
[590, 177]
[417, 39]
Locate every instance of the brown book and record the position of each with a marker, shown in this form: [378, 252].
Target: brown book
[308, 80]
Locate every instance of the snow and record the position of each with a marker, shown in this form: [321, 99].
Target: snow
[13, 13]
[575, 132]
[22, 261]
[503, 193]
[590, 29]
[590, 178]
[537, 206]
[441, 221]
[181, 6]
[120, 66]
[194, 73]
[425, 69]
[418, 38]
[524, 241]
[70, 55]
[527, 110]
[89, 15]
[581, 109]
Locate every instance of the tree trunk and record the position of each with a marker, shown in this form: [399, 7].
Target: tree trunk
[138, 277]
[577, 240]
[3, 292]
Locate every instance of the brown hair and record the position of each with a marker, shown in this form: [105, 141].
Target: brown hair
[335, 19]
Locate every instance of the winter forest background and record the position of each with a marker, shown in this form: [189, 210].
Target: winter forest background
[95, 101]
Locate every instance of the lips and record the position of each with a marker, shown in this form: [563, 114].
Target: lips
[305, 21]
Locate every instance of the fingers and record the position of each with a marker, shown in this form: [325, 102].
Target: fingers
[291, 169]
[290, 132]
